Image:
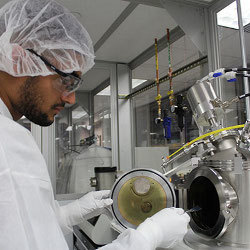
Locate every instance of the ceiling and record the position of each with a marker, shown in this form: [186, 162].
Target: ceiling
[122, 30]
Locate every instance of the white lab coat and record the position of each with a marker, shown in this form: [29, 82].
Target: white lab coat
[29, 215]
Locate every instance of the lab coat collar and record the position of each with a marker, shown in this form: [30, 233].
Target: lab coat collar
[4, 110]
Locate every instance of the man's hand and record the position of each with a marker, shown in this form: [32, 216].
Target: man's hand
[88, 206]
[166, 228]
[94, 203]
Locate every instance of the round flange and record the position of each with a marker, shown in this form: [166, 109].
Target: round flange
[218, 200]
[139, 194]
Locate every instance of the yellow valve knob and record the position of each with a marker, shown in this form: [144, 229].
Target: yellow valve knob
[170, 92]
[157, 98]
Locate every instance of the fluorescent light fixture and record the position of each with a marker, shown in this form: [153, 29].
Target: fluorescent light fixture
[76, 114]
[69, 128]
[81, 126]
[137, 82]
[105, 91]
[228, 17]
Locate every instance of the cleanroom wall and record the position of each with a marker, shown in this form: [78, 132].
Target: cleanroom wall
[82, 143]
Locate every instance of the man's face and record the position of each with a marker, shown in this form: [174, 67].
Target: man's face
[39, 101]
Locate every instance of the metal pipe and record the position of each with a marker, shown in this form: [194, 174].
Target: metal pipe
[243, 54]
[170, 71]
[158, 97]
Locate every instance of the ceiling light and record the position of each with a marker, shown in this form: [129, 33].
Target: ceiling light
[105, 91]
[137, 82]
[78, 114]
[69, 128]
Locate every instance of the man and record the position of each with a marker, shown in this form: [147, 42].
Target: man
[44, 51]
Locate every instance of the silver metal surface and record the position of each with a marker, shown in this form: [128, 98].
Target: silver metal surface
[195, 242]
[105, 180]
[125, 119]
[245, 132]
[227, 199]
[199, 97]
[157, 176]
[239, 231]
[114, 117]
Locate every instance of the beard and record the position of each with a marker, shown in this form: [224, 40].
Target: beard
[30, 103]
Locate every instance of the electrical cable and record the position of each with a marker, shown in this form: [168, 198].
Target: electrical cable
[237, 69]
[244, 96]
[204, 136]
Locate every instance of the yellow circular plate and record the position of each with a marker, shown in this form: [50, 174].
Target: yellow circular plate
[139, 198]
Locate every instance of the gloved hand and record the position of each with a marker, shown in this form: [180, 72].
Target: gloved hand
[94, 203]
[88, 206]
[166, 228]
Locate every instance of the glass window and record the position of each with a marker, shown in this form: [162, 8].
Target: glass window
[83, 143]
[152, 141]
[102, 118]
[230, 57]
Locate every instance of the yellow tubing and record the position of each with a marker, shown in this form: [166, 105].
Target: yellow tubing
[204, 136]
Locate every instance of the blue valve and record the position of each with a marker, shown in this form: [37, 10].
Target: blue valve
[232, 80]
[167, 127]
[217, 74]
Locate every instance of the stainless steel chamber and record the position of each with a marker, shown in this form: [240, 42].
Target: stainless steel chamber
[220, 181]
[199, 97]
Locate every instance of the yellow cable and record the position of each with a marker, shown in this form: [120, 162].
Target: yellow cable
[204, 136]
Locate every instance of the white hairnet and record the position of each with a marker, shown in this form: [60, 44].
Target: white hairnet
[50, 30]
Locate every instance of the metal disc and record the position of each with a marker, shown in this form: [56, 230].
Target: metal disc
[139, 194]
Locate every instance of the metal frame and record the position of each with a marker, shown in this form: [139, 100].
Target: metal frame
[125, 122]
[180, 71]
[243, 55]
[128, 10]
[112, 68]
[175, 34]
[158, 3]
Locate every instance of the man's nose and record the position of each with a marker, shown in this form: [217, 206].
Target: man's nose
[70, 98]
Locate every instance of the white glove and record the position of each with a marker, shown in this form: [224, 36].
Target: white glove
[88, 206]
[166, 228]
[94, 203]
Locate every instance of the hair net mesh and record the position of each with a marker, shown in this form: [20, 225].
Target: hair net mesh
[50, 30]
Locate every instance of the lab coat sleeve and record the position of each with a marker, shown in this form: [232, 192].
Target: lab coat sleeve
[130, 239]
[62, 220]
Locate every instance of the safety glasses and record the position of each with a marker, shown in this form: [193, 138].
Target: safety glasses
[67, 83]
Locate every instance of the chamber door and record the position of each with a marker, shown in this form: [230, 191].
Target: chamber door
[139, 194]
[208, 190]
